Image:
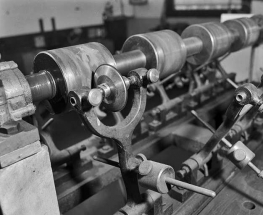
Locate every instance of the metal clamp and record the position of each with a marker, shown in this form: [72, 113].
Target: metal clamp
[15, 94]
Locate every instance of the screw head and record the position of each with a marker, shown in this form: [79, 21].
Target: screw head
[145, 167]
[239, 155]
[95, 97]
[153, 75]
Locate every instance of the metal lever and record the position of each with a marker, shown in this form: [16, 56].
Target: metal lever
[227, 143]
[209, 127]
[190, 187]
[121, 132]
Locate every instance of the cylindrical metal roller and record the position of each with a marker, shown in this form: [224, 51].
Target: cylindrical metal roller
[245, 30]
[68, 69]
[164, 50]
[42, 86]
[216, 39]
[71, 68]
[154, 175]
[259, 20]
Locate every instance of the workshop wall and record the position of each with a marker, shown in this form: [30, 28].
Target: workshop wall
[67, 14]
[147, 18]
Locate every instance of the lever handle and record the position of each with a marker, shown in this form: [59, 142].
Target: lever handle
[227, 143]
[190, 187]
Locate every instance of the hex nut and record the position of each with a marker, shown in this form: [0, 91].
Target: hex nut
[10, 128]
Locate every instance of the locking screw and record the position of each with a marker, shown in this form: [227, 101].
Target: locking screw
[153, 75]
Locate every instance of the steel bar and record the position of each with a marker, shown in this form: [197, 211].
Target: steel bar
[190, 187]
[128, 61]
[232, 83]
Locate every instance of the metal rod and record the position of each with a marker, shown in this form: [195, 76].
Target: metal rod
[193, 45]
[190, 187]
[42, 86]
[251, 63]
[232, 83]
[224, 57]
[225, 141]
[47, 123]
[253, 167]
[106, 161]
[224, 74]
[202, 121]
[168, 78]
[128, 61]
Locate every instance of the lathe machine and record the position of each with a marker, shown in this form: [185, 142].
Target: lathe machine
[163, 117]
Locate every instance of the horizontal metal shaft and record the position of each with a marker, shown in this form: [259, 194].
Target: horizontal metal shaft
[193, 45]
[253, 167]
[190, 187]
[129, 61]
[42, 86]
[106, 161]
